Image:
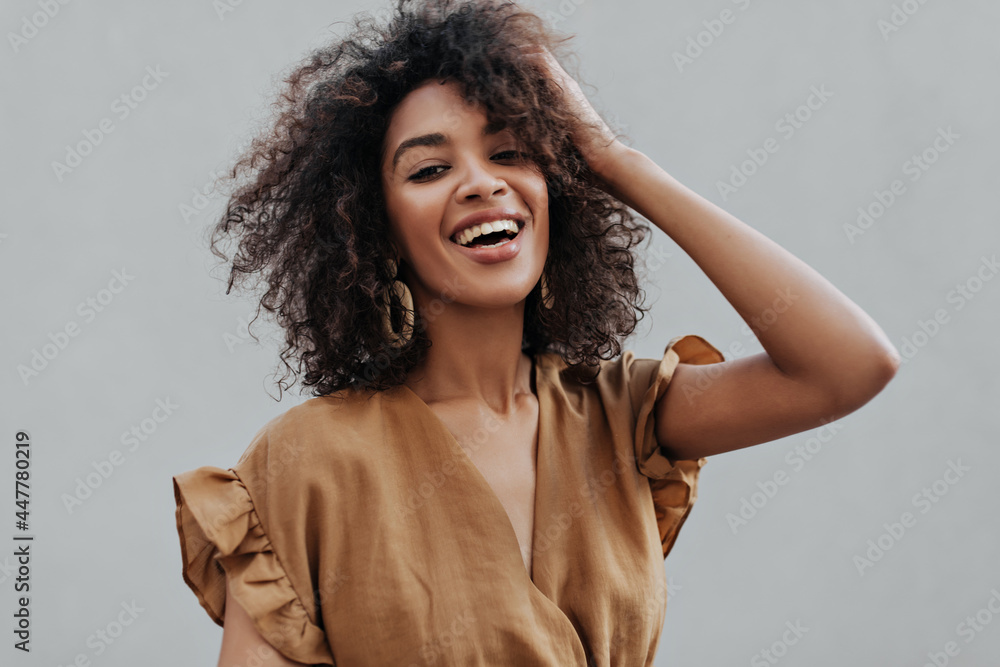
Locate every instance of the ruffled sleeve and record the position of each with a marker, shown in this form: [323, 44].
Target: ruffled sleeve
[674, 483]
[222, 536]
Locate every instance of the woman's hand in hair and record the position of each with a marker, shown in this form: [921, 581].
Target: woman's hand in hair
[596, 141]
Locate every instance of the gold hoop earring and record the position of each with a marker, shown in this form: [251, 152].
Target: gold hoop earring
[404, 295]
[547, 298]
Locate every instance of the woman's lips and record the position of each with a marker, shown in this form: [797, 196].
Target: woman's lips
[500, 253]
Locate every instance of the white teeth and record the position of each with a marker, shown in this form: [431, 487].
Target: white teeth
[466, 237]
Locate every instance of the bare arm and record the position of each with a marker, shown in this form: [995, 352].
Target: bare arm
[243, 645]
[824, 356]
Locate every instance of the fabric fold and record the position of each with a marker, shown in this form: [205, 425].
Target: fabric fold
[674, 483]
[222, 537]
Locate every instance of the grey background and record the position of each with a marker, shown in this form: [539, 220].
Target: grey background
[173, 334]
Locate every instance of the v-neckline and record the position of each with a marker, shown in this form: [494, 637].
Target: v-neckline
[540, 462]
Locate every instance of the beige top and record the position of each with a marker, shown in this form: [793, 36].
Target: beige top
[359, 532]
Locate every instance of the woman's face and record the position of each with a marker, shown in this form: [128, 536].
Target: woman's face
[444, 168]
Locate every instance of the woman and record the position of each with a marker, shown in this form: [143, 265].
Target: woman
[443, 224]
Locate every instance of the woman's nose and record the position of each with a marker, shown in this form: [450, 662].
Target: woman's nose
[480, 180]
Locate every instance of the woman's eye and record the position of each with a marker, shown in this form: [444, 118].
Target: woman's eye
[427, 172]
[509, 155]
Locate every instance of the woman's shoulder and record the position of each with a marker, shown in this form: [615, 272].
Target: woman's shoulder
[347, 408]
[320, 429]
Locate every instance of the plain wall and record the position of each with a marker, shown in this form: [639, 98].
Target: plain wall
[173, 335]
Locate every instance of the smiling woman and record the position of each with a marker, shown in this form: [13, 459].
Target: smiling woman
[321, 187]
[462, 175]
[443, 225]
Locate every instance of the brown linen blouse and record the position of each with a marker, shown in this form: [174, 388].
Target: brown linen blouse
[358, 532]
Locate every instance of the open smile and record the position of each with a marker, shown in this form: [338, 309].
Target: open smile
[489, 246]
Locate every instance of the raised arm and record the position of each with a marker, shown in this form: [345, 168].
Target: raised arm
[823, 358]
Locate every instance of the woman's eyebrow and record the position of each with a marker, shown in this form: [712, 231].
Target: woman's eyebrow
[438, 139]
[435, 139]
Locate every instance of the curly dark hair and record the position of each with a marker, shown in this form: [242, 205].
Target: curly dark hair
[308, 217]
